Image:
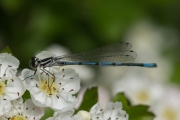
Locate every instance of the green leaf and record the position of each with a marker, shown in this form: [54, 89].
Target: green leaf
[48, 112]
[138, 112]
[6, 50]
[26, 95]
[89, 100]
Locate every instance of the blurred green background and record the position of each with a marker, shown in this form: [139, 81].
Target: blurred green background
[30, 26]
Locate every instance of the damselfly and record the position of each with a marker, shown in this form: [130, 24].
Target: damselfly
[119, 54]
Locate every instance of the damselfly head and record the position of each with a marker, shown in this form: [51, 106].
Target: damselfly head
[33, 63]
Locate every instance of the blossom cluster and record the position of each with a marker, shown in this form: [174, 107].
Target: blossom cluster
[53, 87]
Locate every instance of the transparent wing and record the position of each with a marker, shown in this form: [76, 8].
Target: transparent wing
[119, 52]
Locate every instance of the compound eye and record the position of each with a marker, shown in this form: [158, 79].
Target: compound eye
[33, 62]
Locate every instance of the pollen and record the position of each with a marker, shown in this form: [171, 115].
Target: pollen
[18, 117]
[48, 87]
[142, 96]
[2, 88]
[170, 114]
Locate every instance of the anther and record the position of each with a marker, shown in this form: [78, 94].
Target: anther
[71, 90]
[57, 96]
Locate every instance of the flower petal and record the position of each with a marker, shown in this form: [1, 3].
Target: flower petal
[33, 111]
[8, 65]
[5, 106]
[111, 111]
[44, 54]
[64, 114]
[14, 88]
[69, 80]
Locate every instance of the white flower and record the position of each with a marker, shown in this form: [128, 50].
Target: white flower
[139, 89]
[112, 111]
[23, 111]
[168, 106]
[55, 91]
[11, 86]
[65, 114]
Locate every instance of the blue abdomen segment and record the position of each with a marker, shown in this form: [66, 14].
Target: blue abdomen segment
[89, 63]
[149, 65]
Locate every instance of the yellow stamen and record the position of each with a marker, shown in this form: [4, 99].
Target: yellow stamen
[142, 96]
[2, 88]
[18, 117]
[47, 87]
[170, 114]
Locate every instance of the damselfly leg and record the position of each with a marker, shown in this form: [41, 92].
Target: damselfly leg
[50, 82]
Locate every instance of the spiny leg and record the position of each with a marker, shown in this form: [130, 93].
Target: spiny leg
[31, 75]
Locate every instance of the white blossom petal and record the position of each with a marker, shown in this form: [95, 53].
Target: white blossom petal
[69, 81]
[44, 54]
[112, 111]
[14, 89]
[64, 100]
[64, 114]
[5, 106]
[8, 65]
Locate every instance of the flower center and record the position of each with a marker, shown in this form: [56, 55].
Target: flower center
[18, 117]
[48, 87]
[2, 88]
[170, 114]
[142, 96]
